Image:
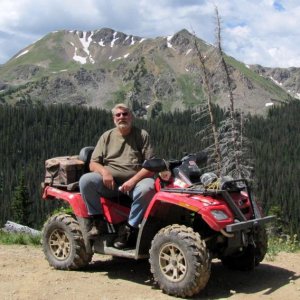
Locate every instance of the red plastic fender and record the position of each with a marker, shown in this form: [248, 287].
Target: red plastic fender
[73, 198]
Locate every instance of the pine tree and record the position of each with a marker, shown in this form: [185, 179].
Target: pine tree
[1, 182]
[20, 207]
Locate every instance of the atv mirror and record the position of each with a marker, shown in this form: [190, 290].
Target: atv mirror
[198, 158]
[155, 165]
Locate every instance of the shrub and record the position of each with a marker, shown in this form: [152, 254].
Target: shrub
[283, 243]
[19, 238]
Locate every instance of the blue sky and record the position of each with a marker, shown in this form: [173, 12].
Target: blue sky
[264, 32]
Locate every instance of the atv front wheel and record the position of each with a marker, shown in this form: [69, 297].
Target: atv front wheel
[179, 261]
[251, 256]
[63, 244]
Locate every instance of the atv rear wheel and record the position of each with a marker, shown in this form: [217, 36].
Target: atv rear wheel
[63, 244]
[179, 261]
[251, 256]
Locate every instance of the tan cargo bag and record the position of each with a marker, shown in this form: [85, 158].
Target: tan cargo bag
[64, 170]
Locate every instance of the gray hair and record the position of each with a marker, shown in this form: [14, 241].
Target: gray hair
[122, 106]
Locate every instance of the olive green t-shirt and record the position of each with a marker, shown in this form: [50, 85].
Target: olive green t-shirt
[123, 155]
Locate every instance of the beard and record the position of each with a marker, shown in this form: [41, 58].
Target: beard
[123, 125]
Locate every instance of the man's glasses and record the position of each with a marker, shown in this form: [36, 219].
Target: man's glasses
[124, 114]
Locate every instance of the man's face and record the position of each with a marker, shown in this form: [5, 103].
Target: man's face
[122, 118]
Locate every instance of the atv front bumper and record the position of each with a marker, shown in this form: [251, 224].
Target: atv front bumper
[249, 224]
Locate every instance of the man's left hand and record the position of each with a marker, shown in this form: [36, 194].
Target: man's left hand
[127, 186]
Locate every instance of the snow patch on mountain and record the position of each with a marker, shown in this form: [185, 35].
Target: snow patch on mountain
[132, 41]
[188, 52]
[86, 42]
[79, 58]
[269, 104]
[169, 38]
[23, 53]
[114, 39]
[277, 82]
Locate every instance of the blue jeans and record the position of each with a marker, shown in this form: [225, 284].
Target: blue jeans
[92, 188]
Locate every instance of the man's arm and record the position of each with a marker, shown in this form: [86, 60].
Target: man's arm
[129, 184]
[108, 180]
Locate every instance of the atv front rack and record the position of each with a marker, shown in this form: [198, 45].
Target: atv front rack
[241, 221]
[237, 212]
[228, 186]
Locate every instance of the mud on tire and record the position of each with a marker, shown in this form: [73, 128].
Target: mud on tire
[63, 244]
[179, 261]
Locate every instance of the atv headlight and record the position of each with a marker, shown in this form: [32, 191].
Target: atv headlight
[219, 215]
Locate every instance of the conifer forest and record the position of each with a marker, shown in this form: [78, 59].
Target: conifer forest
[31, 134]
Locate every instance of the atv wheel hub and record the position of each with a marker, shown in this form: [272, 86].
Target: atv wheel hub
[172, 262]
[59, 244]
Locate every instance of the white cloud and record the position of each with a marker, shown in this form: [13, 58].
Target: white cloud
[252, 29]
[264, 27]
[10, 14]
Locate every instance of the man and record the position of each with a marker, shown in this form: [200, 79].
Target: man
[116, 166]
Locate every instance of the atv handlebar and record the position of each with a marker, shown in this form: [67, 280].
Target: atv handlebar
[158, 164]
[198, 158]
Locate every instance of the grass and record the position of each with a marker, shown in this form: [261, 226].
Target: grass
[192, 92]
[19, 239]
[285, 243]
[9, 238]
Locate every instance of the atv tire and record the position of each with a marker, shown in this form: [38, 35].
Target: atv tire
[179, 261]
[251, 257]
[63, 244]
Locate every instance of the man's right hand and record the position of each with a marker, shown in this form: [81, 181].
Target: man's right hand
[108, 180]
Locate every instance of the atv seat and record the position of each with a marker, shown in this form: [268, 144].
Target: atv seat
[85, 155]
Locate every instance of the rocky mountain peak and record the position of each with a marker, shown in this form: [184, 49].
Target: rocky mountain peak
[287, 78]
[100, 67]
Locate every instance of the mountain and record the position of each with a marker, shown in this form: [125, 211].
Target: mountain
[287, 78]
[99, 68]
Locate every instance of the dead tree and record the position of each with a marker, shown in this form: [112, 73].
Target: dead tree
[206, 111]
[12, 227]
[232, 143]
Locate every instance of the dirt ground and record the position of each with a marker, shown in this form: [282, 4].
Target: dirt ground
[25, 274]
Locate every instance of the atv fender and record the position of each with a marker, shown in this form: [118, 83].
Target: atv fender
[73, 198]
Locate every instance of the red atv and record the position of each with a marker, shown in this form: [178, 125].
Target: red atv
[187, 224]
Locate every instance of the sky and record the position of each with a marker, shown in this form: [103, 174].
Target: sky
[265, 32]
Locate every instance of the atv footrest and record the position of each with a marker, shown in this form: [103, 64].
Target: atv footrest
[104, 246]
